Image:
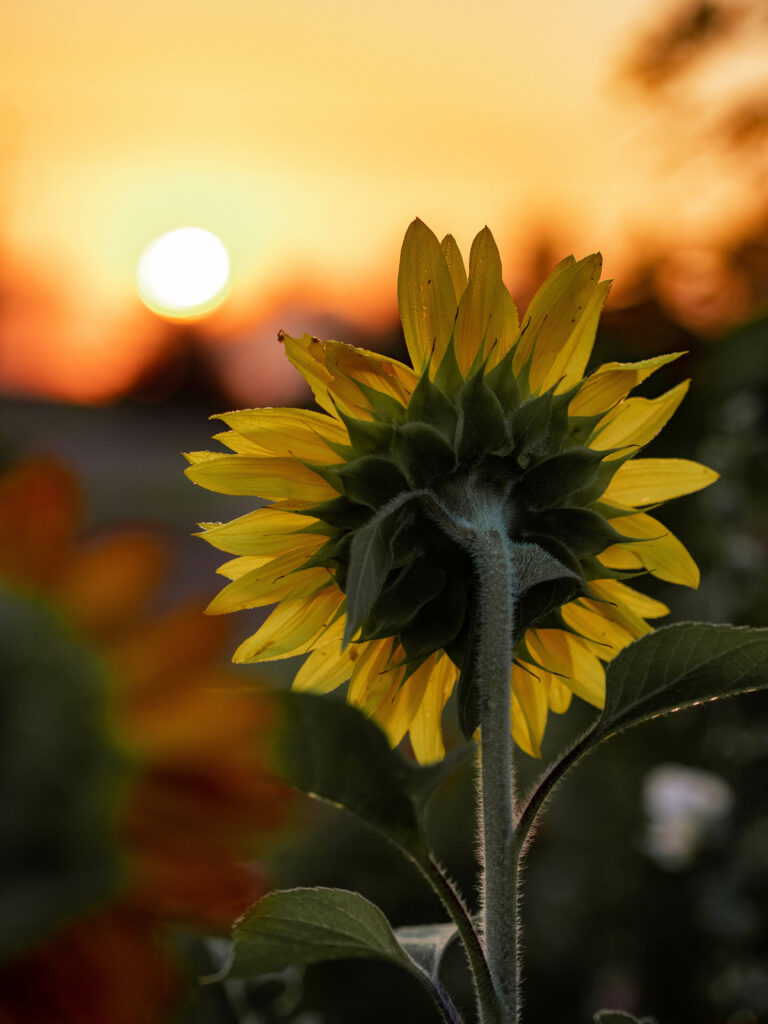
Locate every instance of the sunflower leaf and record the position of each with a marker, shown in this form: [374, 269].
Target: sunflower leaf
[331, 750]
[673, 668]
[310, 925]
[680, 666]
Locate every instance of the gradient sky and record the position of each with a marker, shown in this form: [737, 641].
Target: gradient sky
[307, 135]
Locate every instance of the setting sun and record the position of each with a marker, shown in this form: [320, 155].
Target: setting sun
[183, 274]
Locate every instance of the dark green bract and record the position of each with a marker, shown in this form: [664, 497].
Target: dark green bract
[413, 477]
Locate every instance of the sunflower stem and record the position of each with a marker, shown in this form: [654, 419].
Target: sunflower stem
[497, 587]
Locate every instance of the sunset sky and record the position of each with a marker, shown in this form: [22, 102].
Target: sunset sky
[306, 136]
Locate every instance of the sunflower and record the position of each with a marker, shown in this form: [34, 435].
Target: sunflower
[128, 754]
[356, 547]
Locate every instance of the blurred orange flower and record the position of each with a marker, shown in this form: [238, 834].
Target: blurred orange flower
[195, 795]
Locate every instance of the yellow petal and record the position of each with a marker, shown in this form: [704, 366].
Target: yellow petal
[455, 263]
[332, 369]
[567, 368]
[300, 433]
[545, 297]
[348, 364]
[267, 531]
[485, 319]
[609, 637]
[658, 550]
[426, 296]
[306, 354]
[619, 615]
[558, 695]
[426, 731]
[569, 658]
[275, 580]
[326, 668]
[401, 702]
[529, 709]
[613, 381]
[556, 312]
[641, 604]
[258, 476]
[649, 481]
[295, 627]
[636, 421]
[370, 676]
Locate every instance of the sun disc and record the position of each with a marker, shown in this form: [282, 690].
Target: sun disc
[183, 274]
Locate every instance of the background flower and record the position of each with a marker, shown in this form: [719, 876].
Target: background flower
[135, 776]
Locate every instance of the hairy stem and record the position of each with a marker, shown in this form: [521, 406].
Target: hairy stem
[496, 588]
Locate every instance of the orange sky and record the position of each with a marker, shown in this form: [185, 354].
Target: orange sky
[307, 135]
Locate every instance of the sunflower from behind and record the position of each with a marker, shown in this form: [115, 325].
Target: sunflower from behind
[365, 545]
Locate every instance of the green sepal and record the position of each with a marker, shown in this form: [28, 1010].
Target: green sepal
[340, 512]
[329, 473]
[449, 377]
[401, 600]
[422, 453]
[481, 425]
[334, 553]
[367, 437]
[593, 569]
[385, 408]
[502, 380]
[536, 604]
[371, 557]
[580, 429]
[372, 480]
[540, 426]
[438, 623]
[591, 491]
[582, 530]
[568, 474]
[429, 405]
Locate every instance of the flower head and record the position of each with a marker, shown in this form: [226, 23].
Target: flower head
[136, 787]
[357, 543]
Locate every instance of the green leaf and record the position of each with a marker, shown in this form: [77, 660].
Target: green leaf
[680, 666]
[421, 782]
[60, 775]
[331, 750]
[673, 668]
[426, 943]
[371, 557]
[307, 926]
